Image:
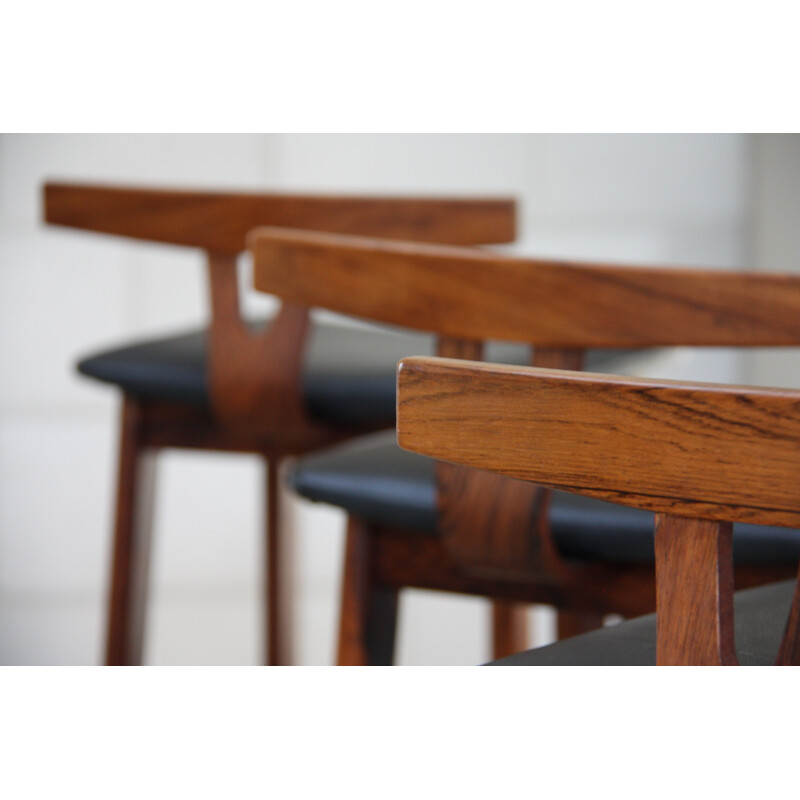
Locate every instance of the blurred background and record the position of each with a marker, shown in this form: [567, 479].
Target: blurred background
[717, 200]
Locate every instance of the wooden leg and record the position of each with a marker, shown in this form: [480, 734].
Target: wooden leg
[694, 592]
[368, 622]
[277, 575]
[509, 628]
[574, 623]
[132, 528]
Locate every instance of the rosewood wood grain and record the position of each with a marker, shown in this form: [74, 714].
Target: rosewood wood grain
[694, 592]
[220, 221]
[132, 534]
[728, 453]
[469, 293]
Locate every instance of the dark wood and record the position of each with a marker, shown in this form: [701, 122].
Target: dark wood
[254, 377]
[712, 428]
[219, 221]
[474, 294]
[132, 534]
[574, 623]
[509, 628]
[278, 573]
[495, 533]
[728, 453]
[368, 609]
[422, 562]
[694, 592]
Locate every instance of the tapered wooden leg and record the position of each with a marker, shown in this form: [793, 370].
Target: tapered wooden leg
[574, 623]
[509, 628]
[368, 622]
[277, 575]
[132, 528]
[694, 592]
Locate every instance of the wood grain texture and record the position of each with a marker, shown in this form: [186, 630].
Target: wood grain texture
[220, 221]
[472, 294]
[694, 592]
[728, 453]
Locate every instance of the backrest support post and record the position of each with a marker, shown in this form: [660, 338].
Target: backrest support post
[694, 591]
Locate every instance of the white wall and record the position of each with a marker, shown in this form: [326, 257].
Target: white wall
[674, 199]
[776, 238]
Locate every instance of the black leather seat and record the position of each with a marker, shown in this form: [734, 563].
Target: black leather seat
[373, 479]
[349, 374]
[759, 620]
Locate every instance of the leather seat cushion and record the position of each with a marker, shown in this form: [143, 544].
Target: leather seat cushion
[372, 478]
[350, 373]
[759, 620]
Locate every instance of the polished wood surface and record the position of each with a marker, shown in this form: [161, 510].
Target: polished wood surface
[495, 535]
[254, 377]
[474, 294]
[219, 221]
[681, 448]
[728, 453]
[694, 592]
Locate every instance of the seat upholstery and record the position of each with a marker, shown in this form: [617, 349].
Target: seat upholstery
[372, 478]
[759, 620]
[349, 376]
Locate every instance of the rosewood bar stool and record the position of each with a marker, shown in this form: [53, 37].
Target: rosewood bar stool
[700, 456]
[238, 388]
[413, 523]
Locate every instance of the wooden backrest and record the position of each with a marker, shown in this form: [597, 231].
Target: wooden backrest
[473, 294]
[219, 221]
[255, 378]
[467, 296]
[699, 455]
[692, 449]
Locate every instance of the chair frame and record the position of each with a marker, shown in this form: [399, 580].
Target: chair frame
[255, 378]
[467, 296]
[700, 455]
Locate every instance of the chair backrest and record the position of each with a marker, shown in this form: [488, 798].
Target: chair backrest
[254, 377]
[220, 221]
[700, 455]
[467, 296]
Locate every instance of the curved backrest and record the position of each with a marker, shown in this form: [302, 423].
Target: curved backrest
[220, 221]
[692, 449]
[467, 296]
[473, 294]
[700, 455]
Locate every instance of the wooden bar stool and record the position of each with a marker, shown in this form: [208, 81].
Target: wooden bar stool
[237, 387]
[701, 456]
[415, 523]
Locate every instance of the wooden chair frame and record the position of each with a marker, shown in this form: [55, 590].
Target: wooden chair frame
[700, 455]
[255, 378]
[495, 538]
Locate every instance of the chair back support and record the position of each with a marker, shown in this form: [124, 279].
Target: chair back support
[493, 525]
[474, 294]
[699, 455]
[255, 379]
[219, 221]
